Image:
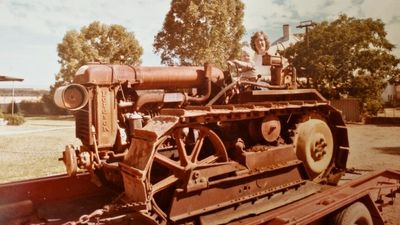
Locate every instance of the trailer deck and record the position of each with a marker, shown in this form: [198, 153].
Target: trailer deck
[60, 199]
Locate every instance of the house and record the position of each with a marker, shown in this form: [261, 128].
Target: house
[20, 95]
[391, 94]
[351, 108]
[285, 41]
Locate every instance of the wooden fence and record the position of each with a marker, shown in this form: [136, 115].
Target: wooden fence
[351, 109]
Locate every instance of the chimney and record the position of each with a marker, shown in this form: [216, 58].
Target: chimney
[286, 31]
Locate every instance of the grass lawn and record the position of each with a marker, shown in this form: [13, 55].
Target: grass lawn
[33, 148]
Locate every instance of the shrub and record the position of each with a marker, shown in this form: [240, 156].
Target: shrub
[372, 106]
[15, 119]
[51, 107]
[10, 108]
[32, 108]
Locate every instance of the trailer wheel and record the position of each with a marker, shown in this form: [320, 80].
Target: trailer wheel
[355, 214]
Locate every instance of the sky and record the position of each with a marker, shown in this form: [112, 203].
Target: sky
[31, 29]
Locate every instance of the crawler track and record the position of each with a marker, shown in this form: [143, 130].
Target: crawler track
[198, 169]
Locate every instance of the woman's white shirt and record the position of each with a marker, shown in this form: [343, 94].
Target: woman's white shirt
[264, 71]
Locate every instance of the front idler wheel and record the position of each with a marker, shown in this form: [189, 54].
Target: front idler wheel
[314, 146]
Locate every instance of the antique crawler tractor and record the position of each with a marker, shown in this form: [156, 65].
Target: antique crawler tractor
[201, 146]
[196, 145]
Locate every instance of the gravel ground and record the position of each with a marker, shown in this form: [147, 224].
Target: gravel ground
[376, 147]
[32, 150]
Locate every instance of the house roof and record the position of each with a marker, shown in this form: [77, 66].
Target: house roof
[282, 43]
[8, 78]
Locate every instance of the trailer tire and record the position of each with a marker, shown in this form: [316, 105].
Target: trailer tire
[356, 213]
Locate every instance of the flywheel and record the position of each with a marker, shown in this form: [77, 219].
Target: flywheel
[177, 154]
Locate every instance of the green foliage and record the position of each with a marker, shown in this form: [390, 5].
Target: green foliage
[15, 119]
[21, 91]
[196, 32]
[93, 43]
[96, 42]
[372, 106]
[348, 56]
[48, 101]
[395, 78]
[1, 115]
[32, 108]
[10, 108]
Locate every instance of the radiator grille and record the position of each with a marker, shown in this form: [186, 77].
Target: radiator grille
[82, 125]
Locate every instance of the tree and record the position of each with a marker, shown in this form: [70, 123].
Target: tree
[94, 43]
[198, 31]
[395, 79]
[348, 56]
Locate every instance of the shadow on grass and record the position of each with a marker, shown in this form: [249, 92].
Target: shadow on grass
[48, 117]
[388, 150]
[383, 121]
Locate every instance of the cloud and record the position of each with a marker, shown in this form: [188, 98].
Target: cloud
[269, 16]
[49, 17]
[31, 30]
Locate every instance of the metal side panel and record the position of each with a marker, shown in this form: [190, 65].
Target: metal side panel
[372, 189]
[51, 200]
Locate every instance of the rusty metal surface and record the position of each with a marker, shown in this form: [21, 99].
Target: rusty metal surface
[52, 200]
[72, 97]
[190, 143]
[105, 127]
[186, 188]
[53, 188]
[374, 188]
[284, 95]
[145, 77]
[262, 204]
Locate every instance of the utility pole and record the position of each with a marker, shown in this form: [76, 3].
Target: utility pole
[12, 100]
[307, 24]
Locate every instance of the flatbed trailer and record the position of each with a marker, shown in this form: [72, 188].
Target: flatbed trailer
[62, 199]
[374, 190]
[51, 200]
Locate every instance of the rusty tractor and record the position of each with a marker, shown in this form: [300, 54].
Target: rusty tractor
[198, 145]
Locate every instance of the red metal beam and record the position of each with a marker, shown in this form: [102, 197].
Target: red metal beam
[319, 205]
[47, 189]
